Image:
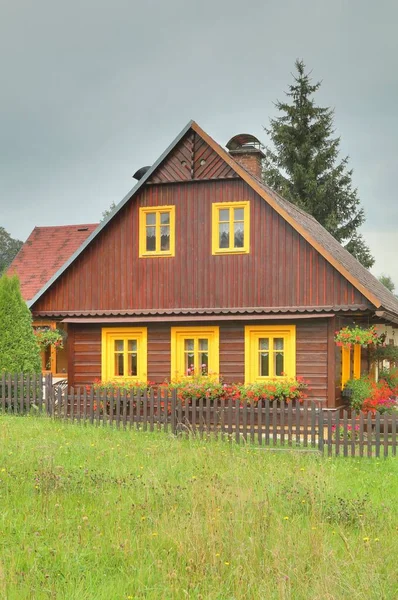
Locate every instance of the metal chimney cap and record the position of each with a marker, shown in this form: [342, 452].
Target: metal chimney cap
[242, 141]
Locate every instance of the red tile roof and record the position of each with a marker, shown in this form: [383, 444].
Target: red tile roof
[44, 252]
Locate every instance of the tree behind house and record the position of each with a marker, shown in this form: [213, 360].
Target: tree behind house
[304, 166]
[387, 282]
[19, 350]
[9, 248]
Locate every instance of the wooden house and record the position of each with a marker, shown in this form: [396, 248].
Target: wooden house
[203, 265]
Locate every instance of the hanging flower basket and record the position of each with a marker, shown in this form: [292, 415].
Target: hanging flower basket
[49, 337]
[348, 336]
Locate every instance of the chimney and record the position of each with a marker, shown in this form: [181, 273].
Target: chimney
[246, 150]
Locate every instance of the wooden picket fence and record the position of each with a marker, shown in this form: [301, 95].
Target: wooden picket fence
[278, 425]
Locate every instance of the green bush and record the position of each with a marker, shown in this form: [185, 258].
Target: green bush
[390, 376]
[19, 350]
[361, 389]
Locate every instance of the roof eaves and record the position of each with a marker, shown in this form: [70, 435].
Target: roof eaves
[104, 223]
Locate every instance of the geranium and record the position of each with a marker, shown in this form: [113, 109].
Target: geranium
[275, 389]
[198, 386]
[49, 337]
[122, 385]
[212, 387]
[381, 399]
[347, 336]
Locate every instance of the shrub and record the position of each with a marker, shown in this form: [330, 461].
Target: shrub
[19, 350]
[390, 376]
[360, 390]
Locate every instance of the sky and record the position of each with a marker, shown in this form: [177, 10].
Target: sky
[91, 90]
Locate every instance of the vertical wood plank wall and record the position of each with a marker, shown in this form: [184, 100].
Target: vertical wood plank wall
[311, 359]
[282, 269]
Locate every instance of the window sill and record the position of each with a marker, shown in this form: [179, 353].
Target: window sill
[157, 255]
[222, 252]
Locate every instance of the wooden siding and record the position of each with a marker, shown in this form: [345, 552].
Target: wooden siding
[192, 159]
[311, 354]
[281, 270]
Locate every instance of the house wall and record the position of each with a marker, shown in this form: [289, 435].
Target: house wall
[312, 354]
[281, 270]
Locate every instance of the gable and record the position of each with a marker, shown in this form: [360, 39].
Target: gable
[219, 165]
[191, 159]
[282, 272]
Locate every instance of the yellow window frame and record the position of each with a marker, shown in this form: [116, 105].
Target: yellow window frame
[178, 337]
[346, 363]
[216, 207]
[253, 333]
[157, 210]
[108, 338]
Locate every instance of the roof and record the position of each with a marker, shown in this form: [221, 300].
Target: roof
[44, 252]
[310, 229]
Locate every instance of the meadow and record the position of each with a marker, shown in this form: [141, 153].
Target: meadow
[92, 513]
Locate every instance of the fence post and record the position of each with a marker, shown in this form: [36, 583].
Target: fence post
[173, 411]
[320, 430]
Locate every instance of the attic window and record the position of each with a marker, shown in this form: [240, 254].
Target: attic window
[230, 227]
[82, 229]
[156, 237]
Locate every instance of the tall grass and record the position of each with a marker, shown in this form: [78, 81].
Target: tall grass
[91, 513]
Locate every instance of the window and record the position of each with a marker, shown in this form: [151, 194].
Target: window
[194, 350]
[157, 231]
[231, 227]
[350, 364]
[54, 360]
[269, 352]
[124, 353]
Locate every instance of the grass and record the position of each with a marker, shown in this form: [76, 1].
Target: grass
[91, 513]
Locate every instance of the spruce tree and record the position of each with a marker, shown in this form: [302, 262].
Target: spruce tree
[19, 350]
[305, 168]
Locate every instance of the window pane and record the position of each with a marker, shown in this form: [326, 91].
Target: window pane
[278, 343]
[165, 238]
[224, 235]
[119, 366]
[132, 365]
[150, 239]
[223, 214]
[132, 345]
[263, 343]
[239, 235]
[203, 344]
[189, 345]
[238, 214]
[189, 363]
[119, 345]
[264, 364]
[204, 362]
[279, 363]
[151, 218]
[165, 218]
